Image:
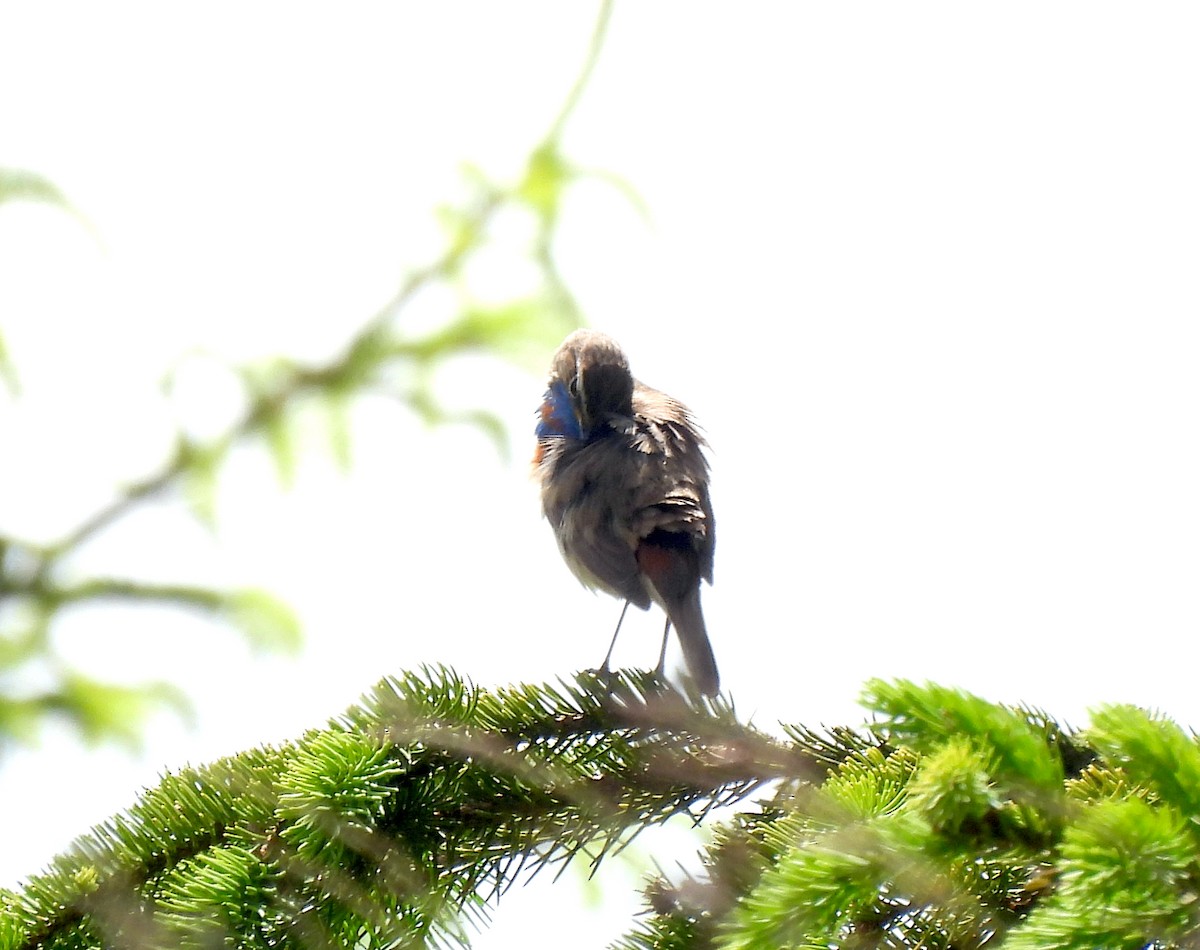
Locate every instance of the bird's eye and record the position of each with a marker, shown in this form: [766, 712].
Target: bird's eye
[573, 387]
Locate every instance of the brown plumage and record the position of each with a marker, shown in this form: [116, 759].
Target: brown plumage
[625, 488]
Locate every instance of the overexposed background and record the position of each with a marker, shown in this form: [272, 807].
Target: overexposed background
[925, 272]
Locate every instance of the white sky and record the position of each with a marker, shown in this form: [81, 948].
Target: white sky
[925, 272]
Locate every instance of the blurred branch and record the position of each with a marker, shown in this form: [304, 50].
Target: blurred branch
[380, 353]
[16, 184]
[599, 33]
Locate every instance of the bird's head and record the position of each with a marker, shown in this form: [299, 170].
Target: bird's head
[589, 380]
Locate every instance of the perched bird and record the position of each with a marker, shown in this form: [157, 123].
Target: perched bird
[624, 485]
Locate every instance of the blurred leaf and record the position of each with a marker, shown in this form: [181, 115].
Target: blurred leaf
[363, 359]
[476, 177]
[520, 330]
[546, 174]
[269, 623]
[25, 632]
[19, 646]
[282, 443]
[20, 718]
[8, 372]
[463, 229]
[17, 185]
[268, 379]
[274, 384]
[109, 711]
[199, 466]
[337, 420]
[465, 224]
[625, 188]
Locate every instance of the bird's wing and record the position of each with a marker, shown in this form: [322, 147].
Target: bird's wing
[673, 484]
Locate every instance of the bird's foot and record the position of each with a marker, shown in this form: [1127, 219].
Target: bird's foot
[603, 675]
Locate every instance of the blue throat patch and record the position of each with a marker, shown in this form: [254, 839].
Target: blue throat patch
[557, 418]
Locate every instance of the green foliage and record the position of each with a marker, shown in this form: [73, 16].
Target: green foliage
[20, 185]
[1152, 752]
[1128, 880]
[267, 621]
[8, 372]
[397, 824]
[17, 184]
[383, 356]
[926, 717]
[385, 828]
[870, 784]
[957, 823]
[954, 792]
[110, 711]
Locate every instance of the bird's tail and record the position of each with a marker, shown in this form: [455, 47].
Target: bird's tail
[688, 621]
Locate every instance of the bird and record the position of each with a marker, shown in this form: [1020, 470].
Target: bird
[624, 485]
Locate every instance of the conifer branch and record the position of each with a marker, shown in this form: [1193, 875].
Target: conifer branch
[402, 813]
[397, 824]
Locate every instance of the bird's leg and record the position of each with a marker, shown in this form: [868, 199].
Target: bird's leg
[608, 655]
[661, 669]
